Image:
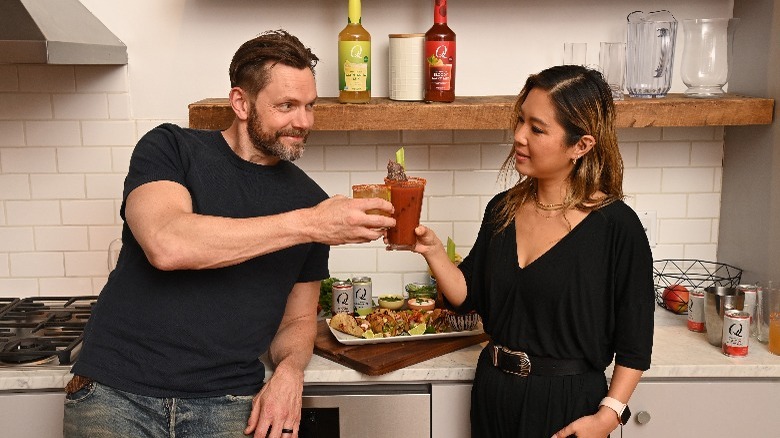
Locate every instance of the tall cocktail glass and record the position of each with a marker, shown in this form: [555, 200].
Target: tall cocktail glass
[407, 197]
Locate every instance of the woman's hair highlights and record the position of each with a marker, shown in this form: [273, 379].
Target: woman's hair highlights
[583, 106]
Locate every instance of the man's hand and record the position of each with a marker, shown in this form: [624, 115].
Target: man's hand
[340, 220]
[277, 406]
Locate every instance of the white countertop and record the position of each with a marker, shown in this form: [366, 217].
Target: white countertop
[677, 353]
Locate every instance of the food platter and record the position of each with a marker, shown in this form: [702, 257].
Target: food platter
[354, 340]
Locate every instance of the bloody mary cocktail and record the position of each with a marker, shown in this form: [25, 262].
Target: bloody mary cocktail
[406, 197]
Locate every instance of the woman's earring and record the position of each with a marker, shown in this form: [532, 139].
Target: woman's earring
[574, 160]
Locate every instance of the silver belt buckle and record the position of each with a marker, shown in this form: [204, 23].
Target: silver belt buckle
[525, 362]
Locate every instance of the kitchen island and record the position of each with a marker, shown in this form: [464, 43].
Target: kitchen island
[686, 371]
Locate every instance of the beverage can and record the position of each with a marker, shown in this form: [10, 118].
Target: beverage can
[696, 311]
[364, 300]
[751, 299]
[736, 333]
[343, 297]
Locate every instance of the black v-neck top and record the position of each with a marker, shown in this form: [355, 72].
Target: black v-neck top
[589, 297]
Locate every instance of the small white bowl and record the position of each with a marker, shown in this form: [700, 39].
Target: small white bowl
[421, 304]
[394, 302]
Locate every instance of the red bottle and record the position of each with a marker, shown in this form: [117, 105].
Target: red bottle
[440, 57]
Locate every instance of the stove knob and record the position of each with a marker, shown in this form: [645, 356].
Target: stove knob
[643, 417]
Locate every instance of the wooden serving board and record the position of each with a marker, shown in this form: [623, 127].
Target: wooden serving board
[377, 359]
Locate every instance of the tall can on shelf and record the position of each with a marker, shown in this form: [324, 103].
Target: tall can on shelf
[354, 58]
[440, 57]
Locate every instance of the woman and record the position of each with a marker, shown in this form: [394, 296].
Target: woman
[561, 271]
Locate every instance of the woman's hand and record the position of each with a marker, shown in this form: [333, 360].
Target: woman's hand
[598, 425]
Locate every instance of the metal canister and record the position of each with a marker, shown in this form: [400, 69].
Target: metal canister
[736, 333]
[343, 297]
[364, 300]
[751, 299]
[696, 311]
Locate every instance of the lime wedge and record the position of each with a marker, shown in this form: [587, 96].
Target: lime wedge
[368, 334]
[417, 330]
[399, 158]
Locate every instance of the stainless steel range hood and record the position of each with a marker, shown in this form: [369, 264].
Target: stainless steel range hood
[55, 32]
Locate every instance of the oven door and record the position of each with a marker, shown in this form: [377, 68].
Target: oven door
[376, 411]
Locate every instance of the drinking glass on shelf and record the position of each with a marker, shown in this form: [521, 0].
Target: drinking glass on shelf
[612, 62]
[574, 53]
[769, 316]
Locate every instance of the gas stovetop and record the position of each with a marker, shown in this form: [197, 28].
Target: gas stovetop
[42, 330]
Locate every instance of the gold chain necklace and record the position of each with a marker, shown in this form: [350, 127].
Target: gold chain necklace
[546, 207]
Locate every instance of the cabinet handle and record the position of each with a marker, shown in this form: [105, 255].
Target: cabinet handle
[643, 417]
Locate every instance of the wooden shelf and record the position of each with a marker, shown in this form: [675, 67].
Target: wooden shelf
[494, 112]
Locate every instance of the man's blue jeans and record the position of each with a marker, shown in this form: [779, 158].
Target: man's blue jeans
[98, 411]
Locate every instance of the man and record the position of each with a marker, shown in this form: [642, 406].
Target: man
[225, 242]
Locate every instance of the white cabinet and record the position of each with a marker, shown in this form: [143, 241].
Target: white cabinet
[450, 405]
[711, 408]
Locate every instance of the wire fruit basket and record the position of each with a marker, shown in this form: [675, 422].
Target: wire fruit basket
[691, 274]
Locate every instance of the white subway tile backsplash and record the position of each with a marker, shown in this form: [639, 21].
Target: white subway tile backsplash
[91, 212]
[53, 133]
[374, 137]
[689, 133]
[703, 205]
[457, 157]
[11, 133]
[5, 269]
[454, 208]
[84, 159]
[666, 154]
[14, 186]
[18, 287]
[639, 134]
[707, 153]
[120, 159]
[492, 156]
[477, 182]
[57, 242]
[16, 239]
[684, 231]
[86, 263]
[101, 236]
[47, 78]
[349, 158]
[118, 106]
[68, 287]
[80, 106]
[9, 78]
[57, 186]
[480, 136]
[28, 160]
[105, 186]
[427, 137]
[353, 259]
[109, 133]
[33, 212]
[688, 180]
[629, 152]
[37, 264]
[101, 78]
[73, 238]
[702, 252]
[25, 106]
[640, 180]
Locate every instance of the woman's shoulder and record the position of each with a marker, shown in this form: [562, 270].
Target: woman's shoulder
[619, 213]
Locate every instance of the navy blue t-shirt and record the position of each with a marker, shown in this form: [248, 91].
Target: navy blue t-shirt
[198, 333]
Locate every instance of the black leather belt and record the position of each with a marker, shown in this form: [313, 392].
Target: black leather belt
[521, 364]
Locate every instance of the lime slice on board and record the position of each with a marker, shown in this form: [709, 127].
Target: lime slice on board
[417, 330]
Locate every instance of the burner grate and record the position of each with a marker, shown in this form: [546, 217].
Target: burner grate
[40, 329]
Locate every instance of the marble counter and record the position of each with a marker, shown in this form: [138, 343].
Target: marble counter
[677, 354]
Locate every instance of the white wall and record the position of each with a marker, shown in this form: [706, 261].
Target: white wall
[66, 132]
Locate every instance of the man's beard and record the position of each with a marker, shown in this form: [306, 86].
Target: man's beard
[269, 144]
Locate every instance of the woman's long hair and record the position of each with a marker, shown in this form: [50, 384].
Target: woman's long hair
[583, 105]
